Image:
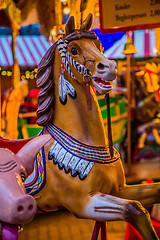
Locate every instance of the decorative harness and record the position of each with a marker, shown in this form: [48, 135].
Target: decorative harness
[74, 156]
[78, 149]
[62, 47]
[69, 154]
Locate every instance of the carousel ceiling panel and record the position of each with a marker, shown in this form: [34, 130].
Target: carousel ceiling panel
[29, 50]
[144, 42]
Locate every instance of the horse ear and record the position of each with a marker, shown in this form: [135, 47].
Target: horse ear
[70, 26]
[87, 23]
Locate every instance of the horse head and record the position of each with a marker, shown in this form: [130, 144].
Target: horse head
[70, 66]
[86, 55]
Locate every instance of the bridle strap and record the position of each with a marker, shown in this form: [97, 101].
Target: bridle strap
[66, 58]
[88, 93]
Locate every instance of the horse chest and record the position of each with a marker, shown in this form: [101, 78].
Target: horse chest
[75, 157]
[104, 177]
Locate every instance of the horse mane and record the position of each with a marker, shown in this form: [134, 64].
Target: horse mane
[45, 81]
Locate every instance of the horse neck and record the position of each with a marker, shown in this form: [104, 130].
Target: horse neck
[73, 117]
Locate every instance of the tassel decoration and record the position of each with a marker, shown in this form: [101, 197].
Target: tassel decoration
[65, 87]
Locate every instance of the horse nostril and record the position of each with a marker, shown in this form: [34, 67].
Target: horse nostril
[20, 209]
[101, 66]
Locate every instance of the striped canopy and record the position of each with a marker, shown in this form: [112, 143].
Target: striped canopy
[29, 50]
[144, 42]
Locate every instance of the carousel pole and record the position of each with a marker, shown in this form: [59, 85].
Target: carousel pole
[16, 68]
[15, 97]
[129, 113]
[109, 125]
[128, 50]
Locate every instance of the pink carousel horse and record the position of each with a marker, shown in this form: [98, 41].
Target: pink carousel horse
[79, 171]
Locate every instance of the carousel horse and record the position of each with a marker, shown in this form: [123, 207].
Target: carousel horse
[147, 93]
[11, 102]
[80, 172]
[148, 102]
[16, 206]
[153, 127]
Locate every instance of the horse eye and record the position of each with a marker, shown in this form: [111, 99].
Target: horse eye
[74, 51]
[23, 177]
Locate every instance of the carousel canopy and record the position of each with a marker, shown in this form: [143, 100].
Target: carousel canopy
[144, 42]
[29, 50]
[30, 46]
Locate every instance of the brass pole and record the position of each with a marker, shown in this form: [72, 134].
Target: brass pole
[16, 68]
[129, 114]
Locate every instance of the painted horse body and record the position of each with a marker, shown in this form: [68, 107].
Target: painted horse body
[102, 194]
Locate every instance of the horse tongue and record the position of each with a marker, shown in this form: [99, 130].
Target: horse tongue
[10, 232]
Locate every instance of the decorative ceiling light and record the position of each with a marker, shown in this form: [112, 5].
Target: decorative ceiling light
[53, 32]
[155, 50]
[66, 10]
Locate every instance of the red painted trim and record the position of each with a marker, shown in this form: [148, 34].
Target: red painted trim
[34, 60]
[129, 28]
[101, 16]
[13, 145]
[124, 28]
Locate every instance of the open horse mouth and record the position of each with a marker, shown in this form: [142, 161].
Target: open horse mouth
[101, 85]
